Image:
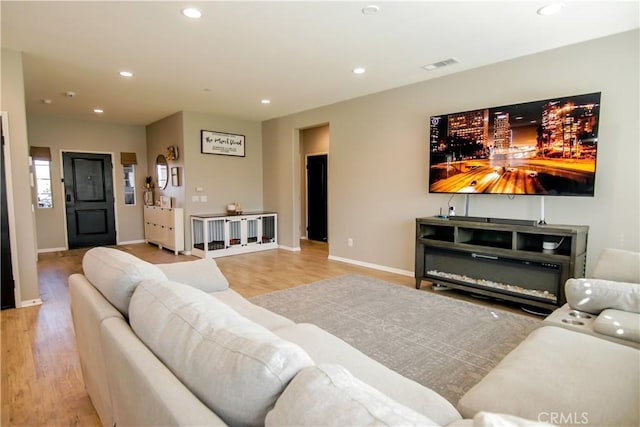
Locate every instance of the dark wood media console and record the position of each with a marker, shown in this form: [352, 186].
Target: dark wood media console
[512, 260]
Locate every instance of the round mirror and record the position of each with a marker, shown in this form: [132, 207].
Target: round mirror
[161, 172]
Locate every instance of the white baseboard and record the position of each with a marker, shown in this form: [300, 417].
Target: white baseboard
[30, 303]
[288, 248]
[131, 242]
[373, 266]
[44, 251]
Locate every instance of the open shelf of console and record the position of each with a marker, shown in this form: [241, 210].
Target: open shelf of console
[510, 260]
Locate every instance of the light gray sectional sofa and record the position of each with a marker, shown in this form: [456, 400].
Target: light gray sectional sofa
[583, 366]
[171, 344]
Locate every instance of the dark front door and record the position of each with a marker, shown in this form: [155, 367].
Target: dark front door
[8, 296]
[317, 197]
[88, 187]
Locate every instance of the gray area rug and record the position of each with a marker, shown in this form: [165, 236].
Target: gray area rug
[442, 343]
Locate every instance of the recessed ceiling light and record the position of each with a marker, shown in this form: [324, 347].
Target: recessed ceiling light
[550, 9]
[192, 13]
[266, 101]
[46, 101]
[372, 9]
[98, 110]
[359, 70]
[124, 73]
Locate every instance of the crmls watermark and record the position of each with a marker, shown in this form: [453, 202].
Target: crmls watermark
[558, 418]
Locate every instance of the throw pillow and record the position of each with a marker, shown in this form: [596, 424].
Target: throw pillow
[116, 274]
[328, 395]
[203, 274]
[234, 366]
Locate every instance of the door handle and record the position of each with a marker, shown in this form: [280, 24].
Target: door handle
[68, 198]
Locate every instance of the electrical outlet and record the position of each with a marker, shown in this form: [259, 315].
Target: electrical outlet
[350, 242]
[195, 199]
[203, 199]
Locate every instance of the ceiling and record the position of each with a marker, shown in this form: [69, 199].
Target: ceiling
[298, 54]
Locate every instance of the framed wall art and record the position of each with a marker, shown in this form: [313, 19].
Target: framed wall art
[226, 144]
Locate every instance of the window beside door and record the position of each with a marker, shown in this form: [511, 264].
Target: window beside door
[42, 169]
[129, 184]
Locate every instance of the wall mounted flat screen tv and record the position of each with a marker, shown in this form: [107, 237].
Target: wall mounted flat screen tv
[546, 147]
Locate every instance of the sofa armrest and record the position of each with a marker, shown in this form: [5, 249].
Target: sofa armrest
[143, 390]
[619, 324]
[88, 310]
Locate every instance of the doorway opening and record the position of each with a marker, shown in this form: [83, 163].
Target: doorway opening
[8, 282]
[317, 197]
[314, 153]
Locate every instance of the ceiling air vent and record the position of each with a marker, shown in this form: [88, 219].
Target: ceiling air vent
[440, 64]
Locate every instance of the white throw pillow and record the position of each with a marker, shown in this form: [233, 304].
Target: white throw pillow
[234, 366]
[116, 274]
[328, 395]
[203, 274]
[595, 295]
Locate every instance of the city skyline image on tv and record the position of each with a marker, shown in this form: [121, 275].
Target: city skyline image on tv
[545, 147]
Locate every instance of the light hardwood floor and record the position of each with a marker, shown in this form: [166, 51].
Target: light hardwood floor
[41, 377]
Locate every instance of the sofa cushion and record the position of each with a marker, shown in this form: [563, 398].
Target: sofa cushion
[324, 347]
[328, 395]
[116, 274]
[575, 378]
[618, 265]
[203, 274]
[236, 367]
[595, 295]
[255, 313]
[619, 324]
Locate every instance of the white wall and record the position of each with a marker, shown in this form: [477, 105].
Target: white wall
[379, 153]
[13, 103]
[90, 137]
[223, 179]
[161, 135]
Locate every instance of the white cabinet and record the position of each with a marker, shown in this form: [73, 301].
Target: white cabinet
[164, 227]
[214, 236]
